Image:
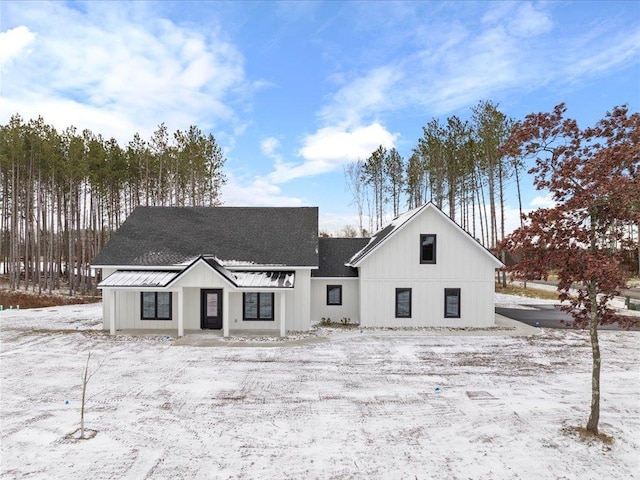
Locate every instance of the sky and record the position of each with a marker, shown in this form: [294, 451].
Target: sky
[292, 91]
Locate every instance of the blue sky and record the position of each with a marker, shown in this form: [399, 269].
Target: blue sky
[294, 90]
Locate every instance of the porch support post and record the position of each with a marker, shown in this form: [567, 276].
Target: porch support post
[225, 312]
[283, 315]
[112, 311]
[181, 312]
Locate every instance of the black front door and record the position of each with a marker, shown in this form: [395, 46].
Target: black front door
[211, 309]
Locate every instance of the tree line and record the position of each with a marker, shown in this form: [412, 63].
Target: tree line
[456, 164]
[64, 193]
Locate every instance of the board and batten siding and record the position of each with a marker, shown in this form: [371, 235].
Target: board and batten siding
[396, 264]
[350, 307]
[128, 312]
[297, 308]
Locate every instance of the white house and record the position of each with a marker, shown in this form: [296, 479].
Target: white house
[237, 268]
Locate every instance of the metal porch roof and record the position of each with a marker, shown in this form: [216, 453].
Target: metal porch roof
[264, 279]
[160, 279]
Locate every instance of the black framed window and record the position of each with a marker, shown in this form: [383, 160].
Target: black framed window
[155, 305]
[403, 303]
[257, 306]
[452, 303]
[428, 248]
[334, 294]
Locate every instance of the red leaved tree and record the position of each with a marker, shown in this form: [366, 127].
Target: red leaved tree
[593, 176]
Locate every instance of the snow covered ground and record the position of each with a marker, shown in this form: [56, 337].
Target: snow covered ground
[376, 405]
[515, 301]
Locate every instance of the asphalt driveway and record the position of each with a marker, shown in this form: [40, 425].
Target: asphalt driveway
[545, 316]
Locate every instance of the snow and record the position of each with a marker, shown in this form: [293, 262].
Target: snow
[232, 263]
[381, 404]
[268, 279]
[139, 278]
[527, 303]
[515, 301]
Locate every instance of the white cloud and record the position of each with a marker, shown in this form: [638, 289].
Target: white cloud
[455, 68]
[110, 66]
[529, 21]
[14, 42]
[543, 201]
[497, 12]
[337, 144]
[255, 192]
[511, 218]
[330, 148]
[488, 62]
[269, 145]
[514, 48]
[597, 55]
[363, 95]
[344, 136]
[108, 122]
[523, 19]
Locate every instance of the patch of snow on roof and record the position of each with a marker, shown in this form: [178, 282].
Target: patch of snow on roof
[265, 279]
[139, 278]
[187, 262]
[231, 263]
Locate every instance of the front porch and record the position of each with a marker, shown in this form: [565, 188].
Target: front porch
[204, 296]
[217, 312]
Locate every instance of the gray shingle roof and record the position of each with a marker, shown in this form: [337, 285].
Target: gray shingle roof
[161, 236]
[334, 253]
[383, 233]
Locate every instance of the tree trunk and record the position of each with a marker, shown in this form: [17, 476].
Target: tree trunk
[69, 218]
[594, 416]
[638, 248]
[501, 186]
[473, 204]
[492, 232]
[519, 194]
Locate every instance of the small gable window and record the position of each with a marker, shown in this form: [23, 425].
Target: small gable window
[257, 306]
[452, 303]
[155, 305]
[428, 248]
[403, 303]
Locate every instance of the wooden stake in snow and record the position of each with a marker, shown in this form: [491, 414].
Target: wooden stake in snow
[85, 380]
